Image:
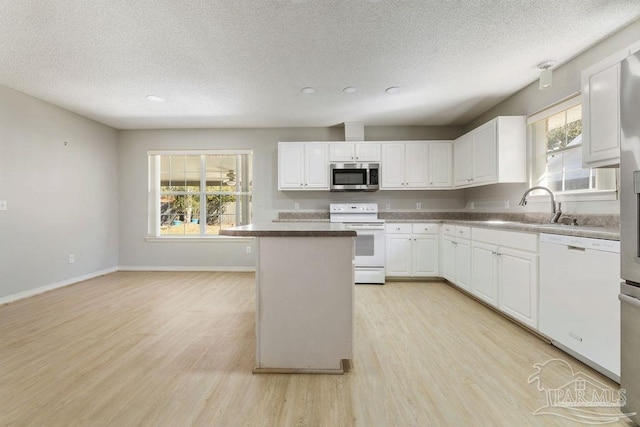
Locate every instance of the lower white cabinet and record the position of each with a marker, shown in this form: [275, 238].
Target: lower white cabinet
[484, 272]
[456, 255]
[412, 250]
[504, 272]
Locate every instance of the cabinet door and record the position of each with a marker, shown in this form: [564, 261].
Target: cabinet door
[485, 153]
[316, 164]
[463, 264]
[601, 117]
[291, 166]
[483, 271]
[392, 166]
[449, 259]
[398, 255]
[518, 282]
[462, 161]
[425, 256]
[367, 152]
[440, 164]
[416, 162]
[341, 152]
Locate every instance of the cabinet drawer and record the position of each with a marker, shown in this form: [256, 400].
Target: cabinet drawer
[517, 240]
[449, 230]
[425, 228]
[398, 228]
[463, 232]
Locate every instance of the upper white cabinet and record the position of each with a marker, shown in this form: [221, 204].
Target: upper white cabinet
[303, 166]
[492, 153]
[354, 152]
[440, 164]
[416, 165]
[601, 113]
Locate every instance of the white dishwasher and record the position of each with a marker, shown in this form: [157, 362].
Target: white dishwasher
[579, 308]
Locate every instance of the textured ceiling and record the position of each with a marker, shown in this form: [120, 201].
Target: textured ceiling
[242, 63]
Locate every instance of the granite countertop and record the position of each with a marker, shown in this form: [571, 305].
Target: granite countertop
[594, 232]
[592, 226]
[290, 229]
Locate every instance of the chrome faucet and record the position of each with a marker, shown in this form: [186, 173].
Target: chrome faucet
[556, 213]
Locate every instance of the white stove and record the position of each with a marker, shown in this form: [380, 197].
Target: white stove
[370, 240]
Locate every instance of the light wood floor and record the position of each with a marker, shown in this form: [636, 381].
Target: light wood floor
[177, 349]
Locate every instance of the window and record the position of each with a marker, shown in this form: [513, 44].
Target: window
[198, 193]
[557, 152]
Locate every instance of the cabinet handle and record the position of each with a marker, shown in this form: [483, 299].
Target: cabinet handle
[455, 243]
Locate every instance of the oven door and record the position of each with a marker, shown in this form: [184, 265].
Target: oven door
[370, 247]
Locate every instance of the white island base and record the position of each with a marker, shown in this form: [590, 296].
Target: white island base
[304, 304]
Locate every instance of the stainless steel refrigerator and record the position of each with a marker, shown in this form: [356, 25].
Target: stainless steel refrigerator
[629, 232]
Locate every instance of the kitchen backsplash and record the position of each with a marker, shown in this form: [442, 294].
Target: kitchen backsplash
[585, 219]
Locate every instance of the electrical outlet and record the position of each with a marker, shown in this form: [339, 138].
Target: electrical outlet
[248, 249]
[506, 204]
[72, 259]
[3, 205]
[418, 205]
[296, 206]
[387, 205]
[472, 205]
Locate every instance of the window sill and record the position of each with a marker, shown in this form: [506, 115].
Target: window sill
[577, 196]
[199, 239]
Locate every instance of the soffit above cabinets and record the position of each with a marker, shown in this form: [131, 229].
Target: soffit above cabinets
[244, 63]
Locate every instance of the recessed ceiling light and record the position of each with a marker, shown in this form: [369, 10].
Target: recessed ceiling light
[154, 98]
[392, 89]
[349, 89]
[308, 90]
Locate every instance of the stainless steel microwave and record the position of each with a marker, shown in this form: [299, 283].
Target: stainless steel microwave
[355, 176]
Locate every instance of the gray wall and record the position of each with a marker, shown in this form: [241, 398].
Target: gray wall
[566, 82]
[62, 199]
[137, 252]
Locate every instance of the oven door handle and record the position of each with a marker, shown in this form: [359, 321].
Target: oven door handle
[629, 300]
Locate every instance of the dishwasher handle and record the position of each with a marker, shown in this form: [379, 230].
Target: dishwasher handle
[629, 300]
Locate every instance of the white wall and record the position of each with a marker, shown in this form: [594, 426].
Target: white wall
[566, 82]
[61, 199]
[137, 252]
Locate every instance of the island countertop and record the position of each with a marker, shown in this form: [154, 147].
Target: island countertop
[290, 229]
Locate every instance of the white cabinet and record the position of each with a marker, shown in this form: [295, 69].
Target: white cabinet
[398, 250]
[462, 161]
[601, 113]
[416, 165]
[492, 153]
[484, 272]
[412, 250]
[440, 164]
[303, 166]
[505, 272]
[354, 152]
[456, 255]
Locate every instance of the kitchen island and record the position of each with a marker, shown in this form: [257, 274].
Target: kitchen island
[304, 296]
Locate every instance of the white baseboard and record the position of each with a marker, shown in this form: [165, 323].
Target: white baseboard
[184, 268]
[41, 289]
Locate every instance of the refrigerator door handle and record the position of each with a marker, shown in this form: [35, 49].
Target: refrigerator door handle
[629, 300]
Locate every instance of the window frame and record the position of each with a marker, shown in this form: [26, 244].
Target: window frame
[154, 195]
[584, 195]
